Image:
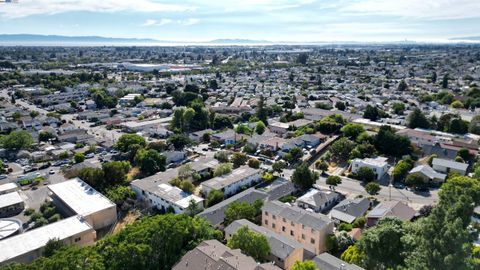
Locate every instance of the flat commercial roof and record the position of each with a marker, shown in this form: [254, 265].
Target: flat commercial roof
[32, 240]
[80, 197]
[9, 227]
[10, 199]
[7, 186]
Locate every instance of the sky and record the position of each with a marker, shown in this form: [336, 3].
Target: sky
[273, 20]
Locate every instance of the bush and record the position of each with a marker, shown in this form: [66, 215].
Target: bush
[345, 227]
[28, 211]
[288, 199]
[35, 216]
[54, 218]
[40, 222]
[359, 222]
[365, 174]
[372, 188]
[49, 212]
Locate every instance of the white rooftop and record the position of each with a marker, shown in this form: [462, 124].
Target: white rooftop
[176, 195]
[377, 162]
[37, 238]
[10, 199]
[80, 197]
[7, 186]
[8, 227]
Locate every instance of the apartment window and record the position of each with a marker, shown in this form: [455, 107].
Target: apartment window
[312, 241]
[283, 228]
[291, 223]
[273, 216]
[266, 222]
[313, 230]
[266, 213]
[273, 225]
[303, 236]
[284, 220]
[291, 233]
[78, 239]
[303, 226]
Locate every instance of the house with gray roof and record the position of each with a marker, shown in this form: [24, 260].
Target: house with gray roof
[231, 183]
[318, 200]
[348, 210]
[429, 174]
[283, 250]
[213, 255]
[216, 213]
[447, 166]
[326, 261]
[390, 209]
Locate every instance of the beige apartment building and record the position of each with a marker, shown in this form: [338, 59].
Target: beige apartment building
[306, 227]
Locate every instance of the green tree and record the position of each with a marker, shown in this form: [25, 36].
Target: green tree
[260, 127]
[243, 210]
[150, 161]
[398, 108]
[445, 81]
[389, 143]
[321, 165]
[251, 243]
[365, 174]
[414, 180]
[116, 171]
[221, 156]
[239, 159]
[17, 140]
[382, 244]
[53, 245]
[402, 86]
[127, 140]
[120, 194]
[93, 176]
[214, 197]
[79, 157]
[303, 176]
[254, 163]
[416, 119]
[401, 170]
[352, 255]
[179, 141]
[305, 265]
[262, 113]
[334, 180]
[474, 126]
[341, 149]
[278, 166]
[352, 130]
[372, 188]
[371, 113]
[44, 136]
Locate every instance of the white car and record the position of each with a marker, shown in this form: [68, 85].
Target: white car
[51, 172]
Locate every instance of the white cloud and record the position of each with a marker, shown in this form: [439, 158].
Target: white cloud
[34, 7]
[161, 22]
[426, 9]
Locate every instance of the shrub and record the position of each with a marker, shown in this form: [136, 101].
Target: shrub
[345, 227]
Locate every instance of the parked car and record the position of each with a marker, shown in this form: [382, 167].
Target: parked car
[2, 176]
[51, 172]
[89, 155]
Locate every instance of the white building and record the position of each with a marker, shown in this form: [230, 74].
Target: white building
[318, 200]
[379, 165]
[128, 99]
[231, 183]
[7, 188]
[25, 247]
[11, 204]
[165, 196]
[447, 166]
[75, 197]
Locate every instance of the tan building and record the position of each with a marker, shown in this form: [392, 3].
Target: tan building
[26, 247]
[284, 252]
[306, 227]
[75, 197]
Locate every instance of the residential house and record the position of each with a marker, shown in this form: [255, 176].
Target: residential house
[390, 209]
[326, 261]
[165, 196]
[429, 174]
[231, 183]
[213, 255]
[379, 165]
[308, 228]
[284, 252]
[350, 209]
[447, 166]
[318, 200]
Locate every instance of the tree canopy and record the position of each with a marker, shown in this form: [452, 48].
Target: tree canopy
[251, 243]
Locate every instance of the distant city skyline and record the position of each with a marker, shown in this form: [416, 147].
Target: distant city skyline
[272, 20]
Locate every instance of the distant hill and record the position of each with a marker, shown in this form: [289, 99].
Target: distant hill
[239, 41]
[477, 38]
[30, 38]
